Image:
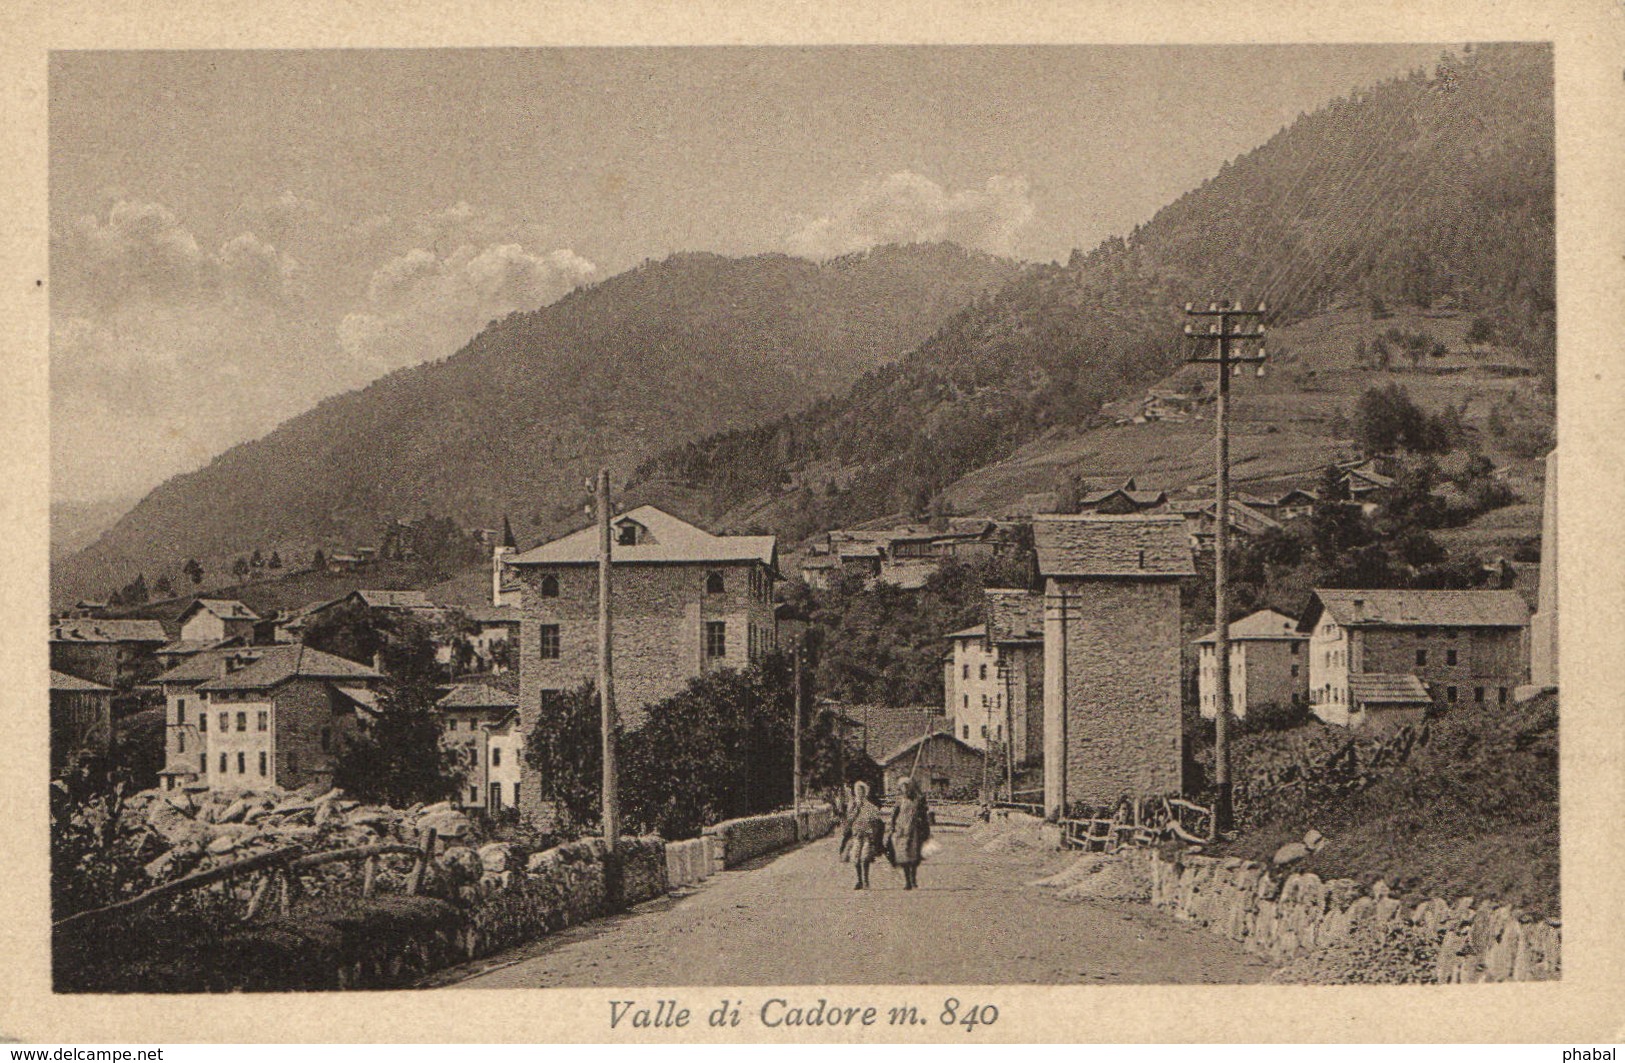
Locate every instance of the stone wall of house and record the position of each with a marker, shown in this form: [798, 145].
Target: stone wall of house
[1490, 660]
[1340, 930]
[659, 635]
[1116, 677]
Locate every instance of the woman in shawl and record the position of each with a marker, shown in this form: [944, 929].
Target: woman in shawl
[910, 828]
[862, 833]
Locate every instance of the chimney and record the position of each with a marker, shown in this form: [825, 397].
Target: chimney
[1359, 609]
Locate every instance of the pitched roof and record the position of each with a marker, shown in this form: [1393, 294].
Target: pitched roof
[277, 664]
[493, 614]
[478, 696]
[908, 747]
[667, 540]
[187, 647]
[1014, 614]
[63, 681]
[977, 632]
[887, 726]
[409, 599]
[95, 629]
[1242, 516]
[1386, 688]
[224, 608]
[1416, 608]
[1264, 624]
[1135, 546]
[205, 665]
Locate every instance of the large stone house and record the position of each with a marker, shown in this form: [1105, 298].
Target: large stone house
[240, 718]
[1458, 646]
[210, 623]
[1111, 656]
[685, 602]
[1269, 665]
[114, 653]
[993, 676]
[481, 719]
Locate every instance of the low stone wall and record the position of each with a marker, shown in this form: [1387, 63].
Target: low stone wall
[1339, 930]
[485, 904]
[738, 840]
[691, 861]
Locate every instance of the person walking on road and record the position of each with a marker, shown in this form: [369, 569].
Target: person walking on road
[910, 830]
[862, 833]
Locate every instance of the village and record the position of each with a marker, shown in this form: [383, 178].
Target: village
[1070, 691]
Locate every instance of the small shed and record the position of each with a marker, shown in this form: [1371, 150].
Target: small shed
[945, 766]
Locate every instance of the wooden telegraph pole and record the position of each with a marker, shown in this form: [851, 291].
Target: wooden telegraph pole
[606, 671]
[796, 730]
[1233, 326]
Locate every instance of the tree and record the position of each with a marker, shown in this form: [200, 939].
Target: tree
[276, 560]
[1386, 419]
[318, 561]
[239, 568]
[163, 588]
[135, 592]
[399, 760]
[564, 746]
[193, 571]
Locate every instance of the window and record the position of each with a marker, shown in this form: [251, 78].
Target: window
[516, 793]
[966, 734]
[984, 701]
[242, 763]
[202, 721]
[242, 721]
[262, 762]
[202, 762]
[964, 672]
[1501, 693]
[225, 721]
[1421, 657]
[473, 795]
[998, 732]
[1450, 694]
[713, 583]
[496, 756]
[965, 698]
[1478, 695]
[981, 672]
[327, 739]
[984, 730]
[1449, 656]
[451, 724]
[1294, 671]
[222, 762]
[180, 711]
[1295, 648]
[716, 638]
[549, 637]
[180, 741]
[550, 586]
[1449, 632]
[264, 721]
[496, 796]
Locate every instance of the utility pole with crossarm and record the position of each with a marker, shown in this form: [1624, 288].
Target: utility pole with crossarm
[1237, 338]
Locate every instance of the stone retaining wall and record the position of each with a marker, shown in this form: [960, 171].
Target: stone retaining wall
[1320, 925]
[738, 840]
[691, 861]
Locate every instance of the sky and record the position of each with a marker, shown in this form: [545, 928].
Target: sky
[238, 235]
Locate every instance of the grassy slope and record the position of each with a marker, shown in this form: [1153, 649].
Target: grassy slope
[1287, 426]
[1474, 812]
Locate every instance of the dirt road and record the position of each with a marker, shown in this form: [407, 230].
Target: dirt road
[794, 918]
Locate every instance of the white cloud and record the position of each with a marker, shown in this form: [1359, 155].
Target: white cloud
[907, 207]
[141, 249]
[421, 305]
[253, 267]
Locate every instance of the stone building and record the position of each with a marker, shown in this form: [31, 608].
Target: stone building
[81, 717]
[1269, 665]
[1465, 646]
[114, 653]
[1111, 655]
[241, 718]
[993, 676]
[481, 718]
[685, 602]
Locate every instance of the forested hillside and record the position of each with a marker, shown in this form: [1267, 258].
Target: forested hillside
[1432, 190]
[662, 354]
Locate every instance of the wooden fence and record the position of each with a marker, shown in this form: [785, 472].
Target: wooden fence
[278, 872]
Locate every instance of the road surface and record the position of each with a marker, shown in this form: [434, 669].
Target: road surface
[794, 918]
